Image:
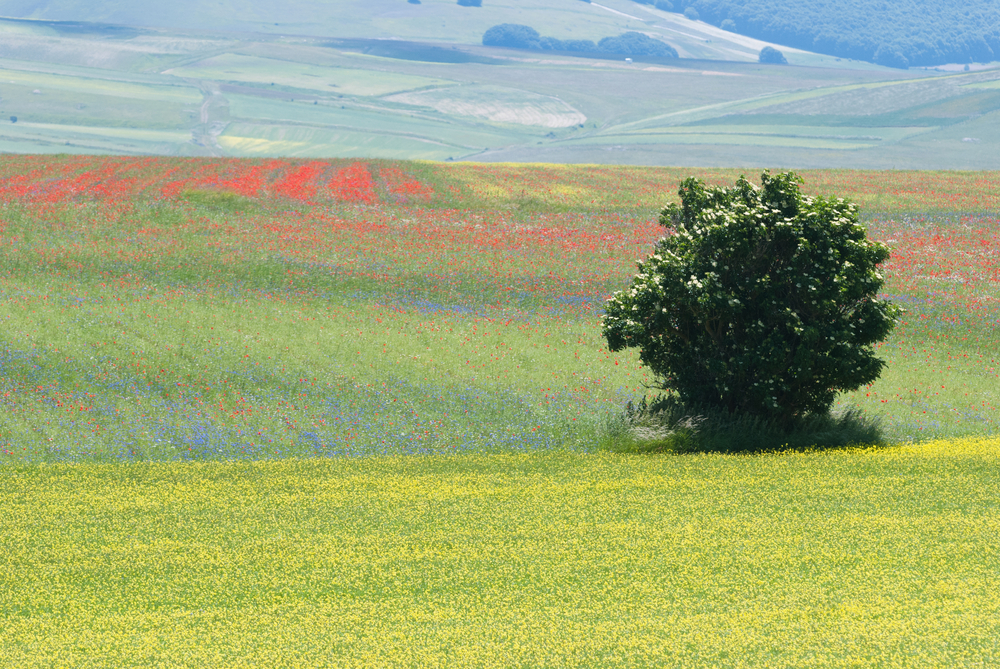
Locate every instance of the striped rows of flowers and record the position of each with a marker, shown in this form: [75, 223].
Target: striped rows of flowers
[31, 179]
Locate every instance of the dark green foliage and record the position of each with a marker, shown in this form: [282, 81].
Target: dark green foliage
[665, 425]
[581, 45]
[517, 36]
[551, 44]
[636, 44]
[903, 32]
[771, 55]
[513, 35]
[759, 301]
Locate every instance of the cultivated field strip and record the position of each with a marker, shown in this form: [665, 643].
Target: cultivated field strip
[854, 558]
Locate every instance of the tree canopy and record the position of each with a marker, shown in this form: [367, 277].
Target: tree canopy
[759, 301]
[900, 33]
[513, 35]
[636, 44]
[771, 55]
[518, 36]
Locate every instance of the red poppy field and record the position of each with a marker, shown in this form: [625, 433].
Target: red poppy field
[155, 308]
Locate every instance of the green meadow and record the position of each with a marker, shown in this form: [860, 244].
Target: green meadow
[352, 414]
[299, 410]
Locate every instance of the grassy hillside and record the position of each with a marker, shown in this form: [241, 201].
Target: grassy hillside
[99, 89]
[439, 21]
[432, 20]
[916, 31]
[202, 308]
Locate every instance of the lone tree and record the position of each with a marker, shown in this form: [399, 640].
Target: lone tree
[759, 301]
[771, 56]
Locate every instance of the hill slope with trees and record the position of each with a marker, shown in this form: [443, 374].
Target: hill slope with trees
[627, 44]
[897, 33]
[900, 33]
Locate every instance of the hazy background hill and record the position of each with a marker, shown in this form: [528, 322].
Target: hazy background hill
[432, 20]
[896, 33]
[388, 78]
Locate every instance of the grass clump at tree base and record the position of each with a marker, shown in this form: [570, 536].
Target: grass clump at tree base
[667, 425]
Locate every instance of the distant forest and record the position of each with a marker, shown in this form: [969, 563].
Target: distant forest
[897, 33]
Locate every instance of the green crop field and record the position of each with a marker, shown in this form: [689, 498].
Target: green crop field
[355, 413]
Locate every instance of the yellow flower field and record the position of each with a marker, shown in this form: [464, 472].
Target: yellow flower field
[848, 558]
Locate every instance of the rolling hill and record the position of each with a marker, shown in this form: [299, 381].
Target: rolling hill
[245, 86]
[897, 34]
